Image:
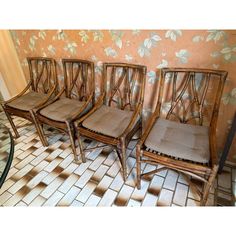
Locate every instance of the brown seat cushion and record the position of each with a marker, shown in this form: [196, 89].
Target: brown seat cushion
[108, 121]
[62, 109]
[189, 142]
[27, 101]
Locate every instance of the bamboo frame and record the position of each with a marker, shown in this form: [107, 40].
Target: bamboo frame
[107, 98]
[75, 79]
[205, 173]
[42, 72]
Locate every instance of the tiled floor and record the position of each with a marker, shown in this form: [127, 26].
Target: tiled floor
[47, 176]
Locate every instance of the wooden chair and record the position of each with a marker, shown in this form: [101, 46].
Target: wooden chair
[74, 100]
[185, 146]
[41, 87]
[116, 116]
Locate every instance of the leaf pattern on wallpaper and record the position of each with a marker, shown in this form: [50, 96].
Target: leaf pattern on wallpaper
[216, 35]
[173, 34]
[136, 32]
[32, 42]
[197, 39]
[84, 36]
[15, 37]
[98, 67]
[228, 53]
[145, 48]
[164, 63]
[116, 36]
[52, 49]
[229, 98]
[60, 35]
[152, 77]
[110, 52]
[98, 36]
[183, 56]
[71, 47]
[42, 34]
[128, 57]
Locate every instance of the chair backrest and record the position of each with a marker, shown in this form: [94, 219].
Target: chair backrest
[188, 95]
[124, 84]
[78, 78]
[43, 74]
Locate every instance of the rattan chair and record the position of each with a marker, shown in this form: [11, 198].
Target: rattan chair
[116, 116]
[74, 100]
[178, 135]
[41, 87]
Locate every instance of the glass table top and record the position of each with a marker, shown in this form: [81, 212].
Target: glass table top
[6, 152]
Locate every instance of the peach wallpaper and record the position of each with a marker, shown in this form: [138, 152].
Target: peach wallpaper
[214, 49]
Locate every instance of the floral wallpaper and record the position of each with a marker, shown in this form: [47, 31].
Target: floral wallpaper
[214, 49]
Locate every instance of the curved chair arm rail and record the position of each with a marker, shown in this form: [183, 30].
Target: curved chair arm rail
[48, 101]
[96, 106]
[77, 115]
[133, 119]
[20, 94]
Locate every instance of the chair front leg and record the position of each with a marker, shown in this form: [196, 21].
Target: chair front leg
[80, 146]
[39, 129]
[71, 131]
[208, 185]
[11, 122]
[123, 158]
[138, 166]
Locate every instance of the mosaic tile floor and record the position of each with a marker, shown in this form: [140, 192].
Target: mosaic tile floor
[47, 176]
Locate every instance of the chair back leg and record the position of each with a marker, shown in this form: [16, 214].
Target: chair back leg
[80, 146]
[39, 129]
[207, 185]
[71, 132]
[123, 158]
[11, 123]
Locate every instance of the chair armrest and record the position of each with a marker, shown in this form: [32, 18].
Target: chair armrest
[132, 122]
[77, 115]
[47, 101]
[150, 124]
[96, 106]
[20, 94]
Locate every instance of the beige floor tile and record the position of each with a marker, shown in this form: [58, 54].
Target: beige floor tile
[68, 183]
[108, 198]
[181, 194]
[93, 201]
[149, 200]
[28, 198]
[4, 197]
[133, 203]
[70, 196]
[170, 180]
[123, 196]
[54, 199]
[165, 197]
[86, 192]
[84, 178]
[51, 188]
[38, 201]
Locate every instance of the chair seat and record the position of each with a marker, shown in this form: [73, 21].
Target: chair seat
[108, 121]
[62, 109]
[27, 101]
[188, 142]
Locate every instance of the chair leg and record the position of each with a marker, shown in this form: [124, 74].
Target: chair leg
[208, 185]
[39, 129]
[81, 147]
[123, 158]
[11, 123]
[138, 167]
[72, 139]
